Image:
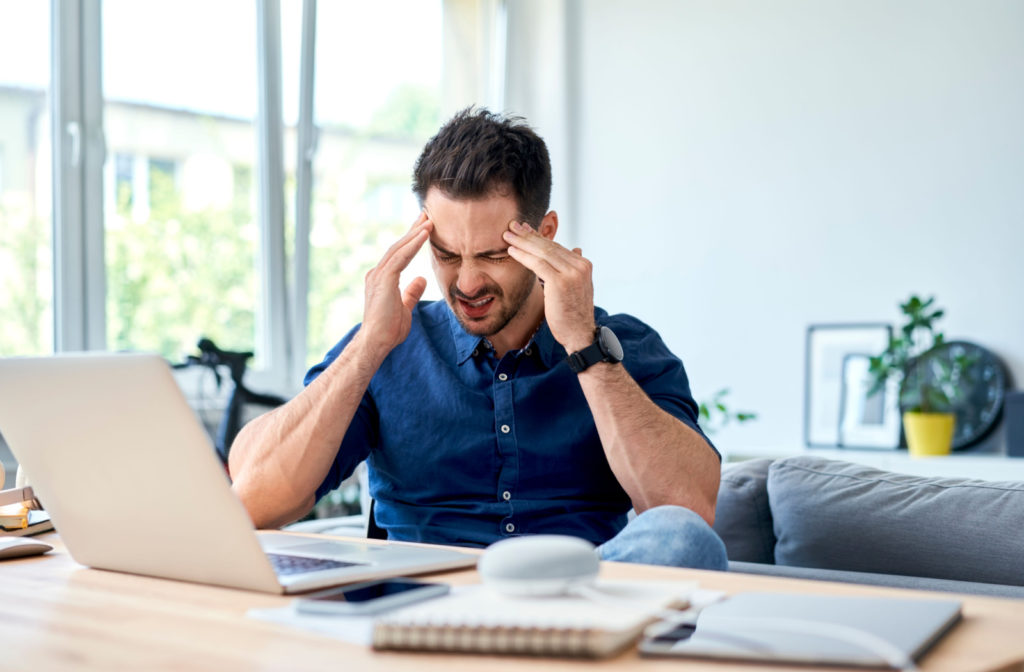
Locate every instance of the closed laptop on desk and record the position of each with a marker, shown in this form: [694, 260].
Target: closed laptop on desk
[812, 629]
[132, 483]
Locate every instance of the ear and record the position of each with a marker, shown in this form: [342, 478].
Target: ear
[549, 225]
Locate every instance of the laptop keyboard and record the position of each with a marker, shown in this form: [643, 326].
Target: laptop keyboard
[285, 565]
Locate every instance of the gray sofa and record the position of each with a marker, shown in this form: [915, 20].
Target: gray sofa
[814, 518]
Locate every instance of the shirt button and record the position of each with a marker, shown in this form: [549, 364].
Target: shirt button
[505, 429]
[510, 528]
[528, 352]
[502, 376]
[506, 495]
[476, 352]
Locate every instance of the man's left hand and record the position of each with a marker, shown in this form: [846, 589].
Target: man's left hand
[567, 278]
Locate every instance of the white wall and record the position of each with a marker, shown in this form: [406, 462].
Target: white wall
[745, 168]
[539, 50]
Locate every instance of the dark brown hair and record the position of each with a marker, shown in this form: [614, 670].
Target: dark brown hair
[478, 153]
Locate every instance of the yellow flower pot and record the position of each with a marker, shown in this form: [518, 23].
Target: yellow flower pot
[929, 434]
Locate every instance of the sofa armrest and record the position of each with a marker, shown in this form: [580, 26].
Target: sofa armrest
[743, 518]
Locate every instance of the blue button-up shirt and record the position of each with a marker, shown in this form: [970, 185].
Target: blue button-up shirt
[465, 448]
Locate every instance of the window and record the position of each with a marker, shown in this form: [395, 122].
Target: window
[377, 101]
[124, 182]
[151, 183]
[26, 249]
[181, 239]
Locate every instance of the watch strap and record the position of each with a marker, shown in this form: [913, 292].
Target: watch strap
[583, 359]
[605, 348]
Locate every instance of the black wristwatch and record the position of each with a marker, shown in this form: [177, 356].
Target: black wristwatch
[605, 348]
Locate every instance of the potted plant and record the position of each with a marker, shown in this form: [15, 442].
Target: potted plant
[928, 401]
[714, 414]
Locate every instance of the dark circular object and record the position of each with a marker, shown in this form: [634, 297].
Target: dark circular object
[605, 348]
[977, 390]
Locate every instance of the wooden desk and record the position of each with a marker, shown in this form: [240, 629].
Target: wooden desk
[58, 615]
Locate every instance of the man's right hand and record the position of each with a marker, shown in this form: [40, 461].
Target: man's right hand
[387, 314]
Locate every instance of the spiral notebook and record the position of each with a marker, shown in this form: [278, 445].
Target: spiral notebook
[478, 620]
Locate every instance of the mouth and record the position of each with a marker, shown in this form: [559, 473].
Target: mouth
[477, 309]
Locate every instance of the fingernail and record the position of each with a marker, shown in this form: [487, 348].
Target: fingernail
[518, 226]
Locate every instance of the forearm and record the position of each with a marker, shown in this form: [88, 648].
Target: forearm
[279, 459]
[656, 458]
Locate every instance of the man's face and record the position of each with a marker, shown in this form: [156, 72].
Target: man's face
[484, 286]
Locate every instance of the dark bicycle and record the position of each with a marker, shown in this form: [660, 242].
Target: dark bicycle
[243, 403]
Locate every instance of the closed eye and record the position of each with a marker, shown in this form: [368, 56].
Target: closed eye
[497, 258]
[446, 258]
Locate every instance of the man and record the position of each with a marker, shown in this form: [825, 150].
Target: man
[476, 422]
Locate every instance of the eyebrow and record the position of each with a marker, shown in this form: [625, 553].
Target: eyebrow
[485, 253]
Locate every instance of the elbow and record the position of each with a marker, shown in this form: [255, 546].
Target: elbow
[251, 502]
[699, 497]
[266, 511]
[707, 512]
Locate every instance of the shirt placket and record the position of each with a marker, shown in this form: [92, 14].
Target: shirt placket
[508, 452]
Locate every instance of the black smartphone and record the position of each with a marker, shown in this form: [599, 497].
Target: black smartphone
[368, 598]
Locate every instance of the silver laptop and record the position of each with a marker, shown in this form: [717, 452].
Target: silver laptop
[132, 483]
[811, 629]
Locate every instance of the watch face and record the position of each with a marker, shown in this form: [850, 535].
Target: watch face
[977, 394]
[610, 345]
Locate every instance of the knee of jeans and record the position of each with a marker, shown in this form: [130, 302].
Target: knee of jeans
[684, 539]
[677, 520]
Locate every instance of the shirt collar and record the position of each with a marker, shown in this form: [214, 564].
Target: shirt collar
[551, 351]
[466, 344]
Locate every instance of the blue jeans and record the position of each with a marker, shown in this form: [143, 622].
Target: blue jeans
[667, 535]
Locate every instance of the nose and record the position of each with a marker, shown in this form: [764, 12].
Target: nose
[472, 279]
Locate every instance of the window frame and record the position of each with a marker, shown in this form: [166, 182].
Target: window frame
[79, 283]
[79, 155]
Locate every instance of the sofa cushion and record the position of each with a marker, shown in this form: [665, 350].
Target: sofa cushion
[837, 515]
[742, 517]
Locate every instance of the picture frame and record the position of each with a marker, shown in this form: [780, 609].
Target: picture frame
[867, 421]
[827, 346]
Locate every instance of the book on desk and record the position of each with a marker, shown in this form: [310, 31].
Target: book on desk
[25, 525]
[20, 514]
